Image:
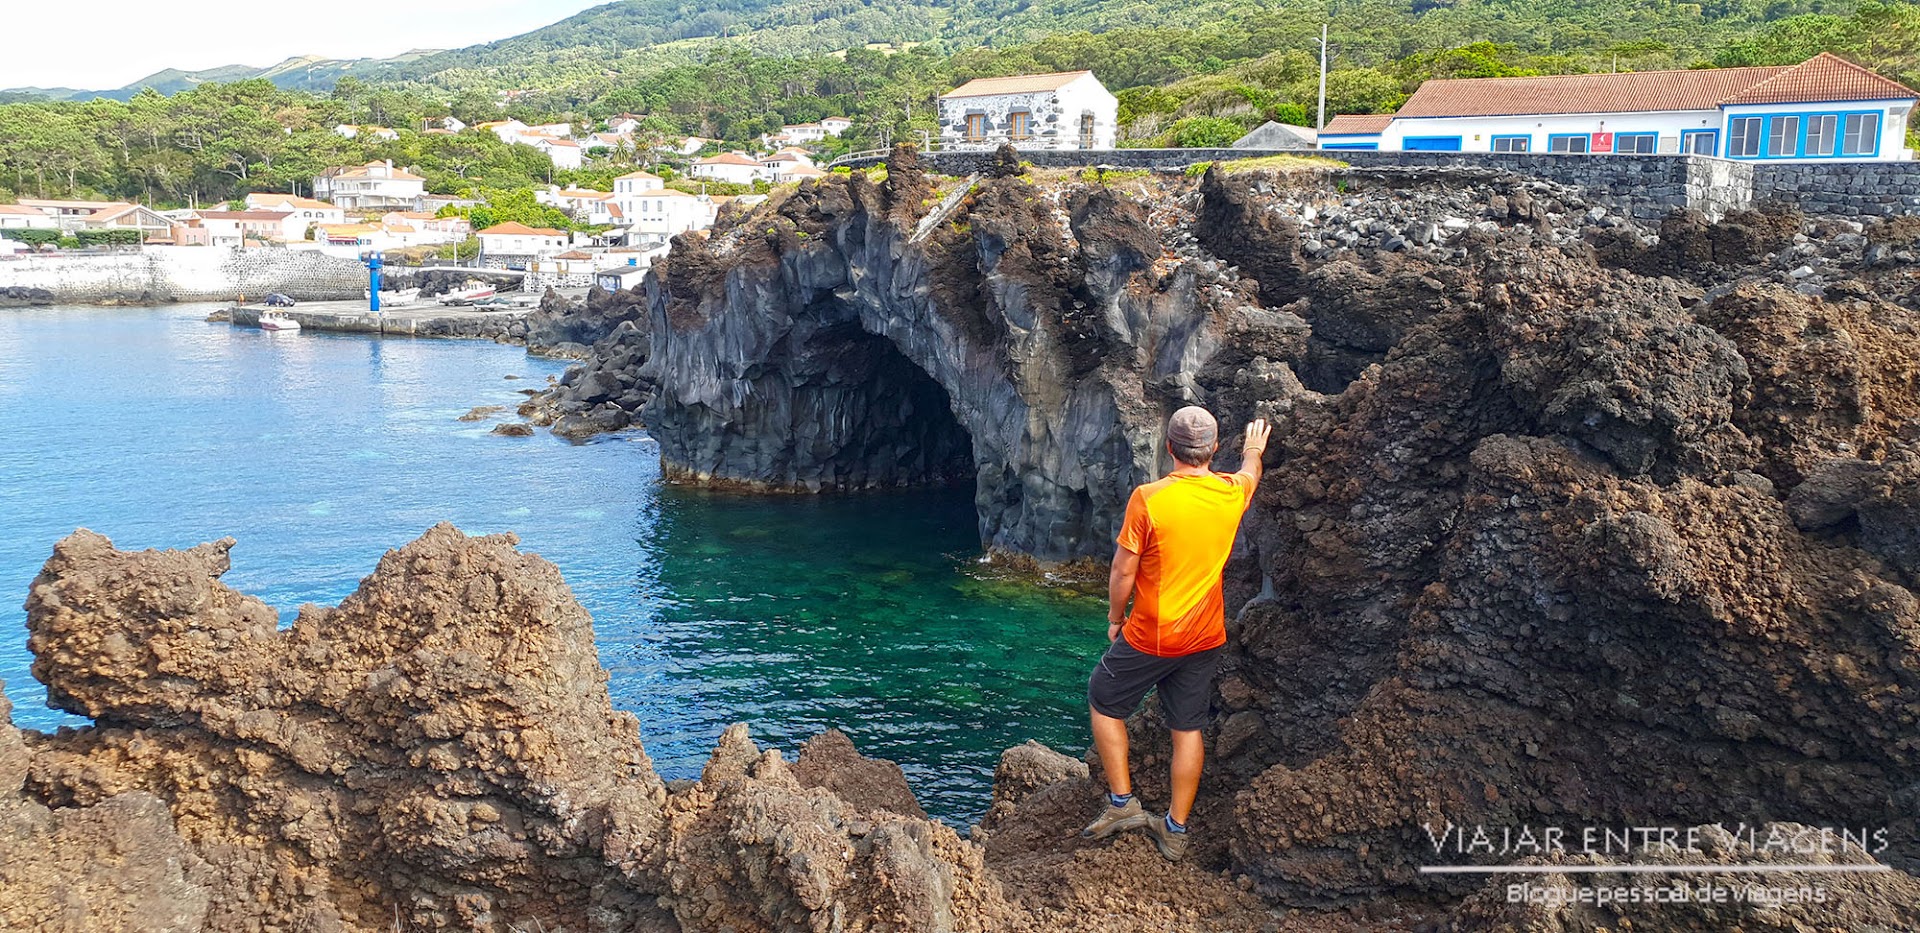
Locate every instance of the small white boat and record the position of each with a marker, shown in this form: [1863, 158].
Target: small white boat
[274, 320]
[468, 296]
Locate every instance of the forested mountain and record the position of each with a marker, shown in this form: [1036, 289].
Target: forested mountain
[301, 73]
[1186, 74]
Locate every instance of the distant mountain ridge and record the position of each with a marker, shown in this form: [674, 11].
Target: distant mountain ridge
[301, 72]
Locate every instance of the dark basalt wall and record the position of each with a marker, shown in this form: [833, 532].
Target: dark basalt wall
[1055, 343]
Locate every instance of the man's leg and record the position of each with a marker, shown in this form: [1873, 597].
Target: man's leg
[1189, 754]
[1113, 691]
[1186, 696]
[1110, 739]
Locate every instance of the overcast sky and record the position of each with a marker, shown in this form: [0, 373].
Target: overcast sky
[105, 44]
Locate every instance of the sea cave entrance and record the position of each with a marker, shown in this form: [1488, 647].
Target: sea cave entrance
[879, 420]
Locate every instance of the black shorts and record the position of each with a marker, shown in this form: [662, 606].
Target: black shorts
[1125, 674]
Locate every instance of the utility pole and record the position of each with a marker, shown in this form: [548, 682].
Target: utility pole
[1323, 81]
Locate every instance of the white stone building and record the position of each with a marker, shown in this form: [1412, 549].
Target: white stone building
[306, 211]
[375, 186]
[513, 239]
[22, 217]
[729, 166]
[564, 153]
[664, 213]
[1067, 110]
[1823, 109]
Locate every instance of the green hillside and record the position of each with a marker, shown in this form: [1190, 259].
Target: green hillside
[1193, 75]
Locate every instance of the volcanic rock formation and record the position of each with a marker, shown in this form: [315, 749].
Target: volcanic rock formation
[1566, 522]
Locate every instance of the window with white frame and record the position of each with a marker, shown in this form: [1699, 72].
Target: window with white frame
[1700, 142]
[1823, 134]
[1783, 136]
[1743, 137]
[1863, 135]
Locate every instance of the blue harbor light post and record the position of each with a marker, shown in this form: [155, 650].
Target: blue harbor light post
[373, 282]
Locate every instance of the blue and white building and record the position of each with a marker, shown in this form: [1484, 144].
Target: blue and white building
[1825, 108]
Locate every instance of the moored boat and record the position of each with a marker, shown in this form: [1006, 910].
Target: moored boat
[275, 321]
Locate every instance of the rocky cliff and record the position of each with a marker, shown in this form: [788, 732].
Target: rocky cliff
[1566, 522]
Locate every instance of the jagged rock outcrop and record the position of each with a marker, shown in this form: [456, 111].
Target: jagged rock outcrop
[438, 752]
[115, 867]
[608, 391]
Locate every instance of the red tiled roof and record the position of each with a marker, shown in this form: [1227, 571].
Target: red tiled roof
[1823, 77]
[360, 171]
[21, 209]
[728, 158]
[1635, 92]
[245, 215]
[1015, 84]
[574, 254]
[638, 175]
[1357, 124]
[516, 228]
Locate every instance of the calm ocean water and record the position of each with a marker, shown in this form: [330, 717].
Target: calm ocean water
[318, 453]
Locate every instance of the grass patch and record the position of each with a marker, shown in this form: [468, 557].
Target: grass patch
[1281, 163]
[1094, 175]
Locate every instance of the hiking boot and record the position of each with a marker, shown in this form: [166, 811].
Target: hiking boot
[1172, 845]
[1117, 819]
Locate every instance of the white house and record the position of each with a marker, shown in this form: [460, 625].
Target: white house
[836, 125]
[664, 213]
[781, 163]
[509, 131]
[518, 239]
[22, 217]
[565, 153]
[249, 228]
[627, 190]
[375, 186]
[416, 228]
[625, 124]
[800, 173]
[621, 278]
[728, 166]
[1067, 110]
[560, 130]
[1354, 131]
[452, 123]
[306, 211]
[803, 133]
[1825, 108]
[151, 224]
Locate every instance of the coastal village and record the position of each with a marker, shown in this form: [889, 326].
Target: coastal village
[1825, 109]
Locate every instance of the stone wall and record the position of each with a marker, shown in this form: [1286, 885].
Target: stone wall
[541, 281]
[186, 273]
[1647, 187]
[1882, 189]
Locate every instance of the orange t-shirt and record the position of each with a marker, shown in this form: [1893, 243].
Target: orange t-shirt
[1182, 527]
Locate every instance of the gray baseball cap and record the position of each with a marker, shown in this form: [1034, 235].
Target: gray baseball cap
[1192, 426]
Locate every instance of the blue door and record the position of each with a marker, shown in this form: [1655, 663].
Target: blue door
[1431, 144]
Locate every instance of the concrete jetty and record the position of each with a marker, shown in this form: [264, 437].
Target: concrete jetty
[353, 317]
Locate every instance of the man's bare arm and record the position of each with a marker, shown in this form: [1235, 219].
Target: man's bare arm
[1126, 566]
[1254, 448]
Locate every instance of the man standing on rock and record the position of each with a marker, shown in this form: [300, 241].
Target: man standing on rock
[1173, 546]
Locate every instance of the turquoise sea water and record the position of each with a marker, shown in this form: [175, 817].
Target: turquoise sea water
[318, 453]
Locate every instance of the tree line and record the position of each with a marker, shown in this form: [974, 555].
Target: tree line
[1177, 86]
